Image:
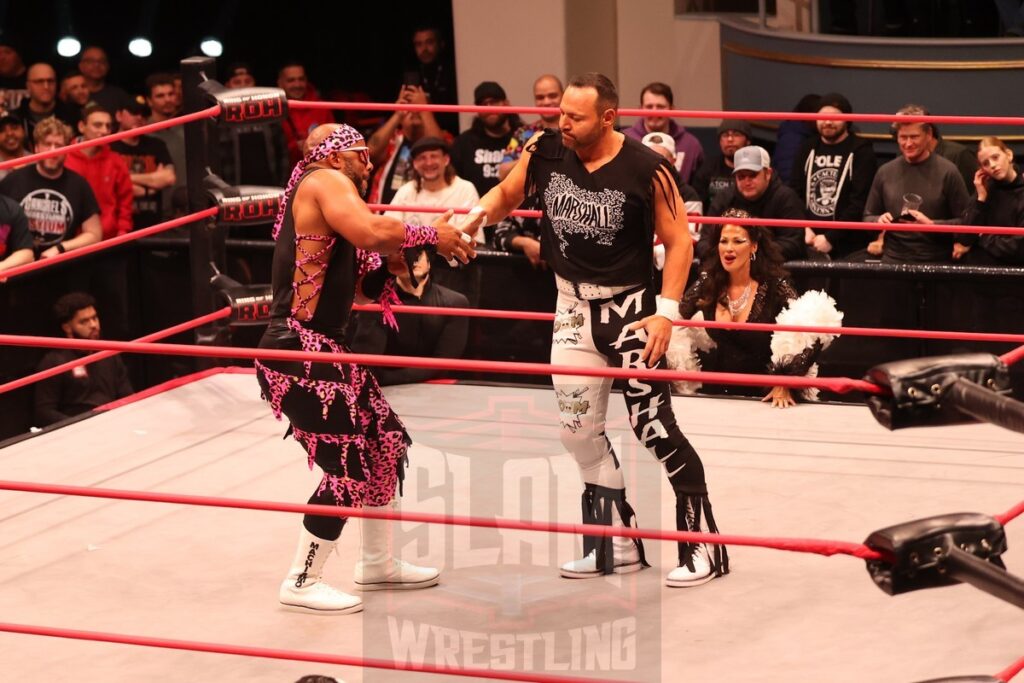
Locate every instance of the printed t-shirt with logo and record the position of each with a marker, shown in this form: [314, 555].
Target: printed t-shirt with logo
[55, 207]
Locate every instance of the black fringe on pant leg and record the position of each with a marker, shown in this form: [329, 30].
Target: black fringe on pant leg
[692, 512]
[597, 502]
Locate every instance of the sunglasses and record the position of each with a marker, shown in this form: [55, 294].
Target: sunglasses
[364, 153]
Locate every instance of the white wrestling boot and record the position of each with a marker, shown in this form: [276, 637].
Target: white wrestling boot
[627, 556]
[698, 562]
[627, 560]
[378, 569]
[693, 573]
[305, 591]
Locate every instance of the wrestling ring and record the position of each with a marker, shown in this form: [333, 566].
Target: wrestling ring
[133, 546]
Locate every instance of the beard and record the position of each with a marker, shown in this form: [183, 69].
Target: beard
[831, 135]
[358, 179]
[92, 335]
[581, 141]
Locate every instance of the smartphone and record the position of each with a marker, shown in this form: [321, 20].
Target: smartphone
[412, 78]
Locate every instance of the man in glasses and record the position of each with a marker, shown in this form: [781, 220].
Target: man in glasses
[42, 102]
[328, 254]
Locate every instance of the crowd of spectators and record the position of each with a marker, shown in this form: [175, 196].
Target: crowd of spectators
[823, 170]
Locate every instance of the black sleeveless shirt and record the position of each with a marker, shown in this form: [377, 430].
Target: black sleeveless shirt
[597, 227]
[339, 283]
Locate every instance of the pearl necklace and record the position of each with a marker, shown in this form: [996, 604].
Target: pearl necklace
[737, 305]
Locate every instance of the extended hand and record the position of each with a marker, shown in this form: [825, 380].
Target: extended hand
[659, 334]
[780, 398]
[452, 243]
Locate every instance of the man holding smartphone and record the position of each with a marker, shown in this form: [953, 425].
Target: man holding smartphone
[391, 144]
[434, 72]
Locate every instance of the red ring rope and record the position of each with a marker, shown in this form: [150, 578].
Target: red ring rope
[671, 113]
[1009, 672]
[292, 655]
[92, 358]
[799, 545]
[1011, 514]
[113, 137]
[539, 316]
[840, 385]
[766, 222]
[107, 244]
[1013, 357]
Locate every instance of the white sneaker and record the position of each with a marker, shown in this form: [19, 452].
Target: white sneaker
[317, 598]
[394, 575]
[684, 577]
[303, 590]
[586, 568]
[378, 569]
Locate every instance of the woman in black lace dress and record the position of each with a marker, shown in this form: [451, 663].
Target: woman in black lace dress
[747, 283]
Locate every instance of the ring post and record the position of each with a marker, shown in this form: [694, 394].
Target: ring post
[206, 239]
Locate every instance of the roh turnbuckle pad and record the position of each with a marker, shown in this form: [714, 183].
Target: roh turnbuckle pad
[247, 105]
[250, 304]
[916, 552]
[246, 204]
[919, 385]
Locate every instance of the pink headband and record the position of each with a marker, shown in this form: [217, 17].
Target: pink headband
[342, 138]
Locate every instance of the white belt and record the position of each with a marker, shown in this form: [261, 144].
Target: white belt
[588, 292]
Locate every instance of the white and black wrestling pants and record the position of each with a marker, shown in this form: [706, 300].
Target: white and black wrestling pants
[591, 329]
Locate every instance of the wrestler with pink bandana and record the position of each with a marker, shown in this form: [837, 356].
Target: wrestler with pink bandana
[328, 254]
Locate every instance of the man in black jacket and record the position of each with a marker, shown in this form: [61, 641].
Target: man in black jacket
[433, 336]
[87, 386]
[715, 174]
[832, 176]
[758, 192]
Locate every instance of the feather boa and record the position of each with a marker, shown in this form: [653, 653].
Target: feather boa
[813, 309]
[682, 352]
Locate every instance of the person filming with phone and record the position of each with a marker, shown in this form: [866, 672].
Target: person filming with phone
[391, 144]
[917, 187]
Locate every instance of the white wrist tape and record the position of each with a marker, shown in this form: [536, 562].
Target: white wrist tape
[474, 211]
[668, 308]
[454, 262]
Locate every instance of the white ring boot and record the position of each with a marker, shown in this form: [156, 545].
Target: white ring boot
[304, 591]
[694, 573]
[378, 569]
[609, 507]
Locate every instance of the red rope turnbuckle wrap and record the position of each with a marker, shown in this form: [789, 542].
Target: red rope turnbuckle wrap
[761, 222]
[540, 316]
[107, 244]
[801, 545]
[1011, 671]
[208, 113]
[671, 113]
[291, 655]
[840, 385]
[92, 358]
